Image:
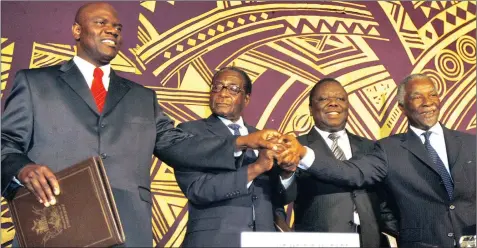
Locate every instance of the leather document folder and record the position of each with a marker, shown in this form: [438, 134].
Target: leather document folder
[84, 215]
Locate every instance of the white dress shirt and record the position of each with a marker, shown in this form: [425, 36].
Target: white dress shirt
[243, 131]
[437, 141]
[343, 143]
[87, 70]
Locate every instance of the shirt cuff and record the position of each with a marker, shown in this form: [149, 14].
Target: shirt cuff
[287, 182]
[249, 183]
[307, 161]
[237, 154]
[15, 179]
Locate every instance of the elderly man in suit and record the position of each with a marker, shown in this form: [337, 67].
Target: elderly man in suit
[429, 171]
[57, 116]
[222, 204]
[325, 207]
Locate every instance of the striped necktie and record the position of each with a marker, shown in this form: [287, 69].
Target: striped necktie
[339, 154]
[439, 165]
[97, 89]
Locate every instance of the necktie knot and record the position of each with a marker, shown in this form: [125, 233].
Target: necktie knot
[98, 73]
[235, 127]
[334, 136]
[426, 136]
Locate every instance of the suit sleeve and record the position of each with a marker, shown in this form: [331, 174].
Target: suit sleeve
[17, 130]
[205, 188]
[181, 149]
[388, 212]
[363, 171]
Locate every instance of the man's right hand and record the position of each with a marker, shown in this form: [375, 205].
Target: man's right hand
[263, 163]
[41, 181]
[262, 139]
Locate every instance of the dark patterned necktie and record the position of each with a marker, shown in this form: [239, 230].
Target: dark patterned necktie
[235, 127]
[339, 154]
[439, 165]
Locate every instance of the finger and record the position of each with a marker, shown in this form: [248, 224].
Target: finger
[52, 181]
[39, 191]
[47, 189]
[32, 190]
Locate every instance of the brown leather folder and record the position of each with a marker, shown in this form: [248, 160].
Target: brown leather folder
[85, 213]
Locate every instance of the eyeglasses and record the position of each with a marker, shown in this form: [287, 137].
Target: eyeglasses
[232, 89]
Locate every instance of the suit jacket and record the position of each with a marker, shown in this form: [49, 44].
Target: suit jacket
[326, 207]
[427, 218]
[220, 205]
[50, 118]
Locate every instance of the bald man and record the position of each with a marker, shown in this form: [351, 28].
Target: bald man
[57, 116]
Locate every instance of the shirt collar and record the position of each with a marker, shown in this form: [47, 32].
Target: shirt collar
[325, 134]
[87, 68]
[436, 129]
[227, 121]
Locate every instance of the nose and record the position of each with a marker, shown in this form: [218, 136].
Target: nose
[110, 29]
[427, 101]
[333, 102]
[223, 92]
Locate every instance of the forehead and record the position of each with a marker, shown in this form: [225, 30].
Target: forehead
[420, 85]
[99, 10]
[229, 77]
[330, 87]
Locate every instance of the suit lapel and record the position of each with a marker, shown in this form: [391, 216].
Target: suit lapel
[216, 126]
[117, 90]
[355, 143]
[317, 143]
[413, 144]
[73, 77]
[453, 147]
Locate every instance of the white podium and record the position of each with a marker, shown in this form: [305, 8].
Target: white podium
[299, 239]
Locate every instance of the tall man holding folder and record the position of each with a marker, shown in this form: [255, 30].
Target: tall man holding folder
[59, 115]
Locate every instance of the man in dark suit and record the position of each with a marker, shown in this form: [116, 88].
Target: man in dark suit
[222, 204]
[57, 116]
[325, 207]
[428, 171]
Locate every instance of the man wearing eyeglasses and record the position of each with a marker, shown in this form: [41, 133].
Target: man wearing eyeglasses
[222, 204]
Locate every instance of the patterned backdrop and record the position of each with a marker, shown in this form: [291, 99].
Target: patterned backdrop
[175, 47]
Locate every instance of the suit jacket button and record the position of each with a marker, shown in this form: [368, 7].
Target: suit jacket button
[102, 125]
[104, 155]
[250, 225]
[450, 235]
[451, 207]
[254, 197]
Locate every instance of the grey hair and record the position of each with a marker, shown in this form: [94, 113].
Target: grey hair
[401, 92]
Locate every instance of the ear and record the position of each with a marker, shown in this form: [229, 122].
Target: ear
[401, 107]
[247, 100]
[76, 30]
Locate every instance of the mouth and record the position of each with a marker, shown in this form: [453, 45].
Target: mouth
[108, 42]
[428, 114]
[333, 113]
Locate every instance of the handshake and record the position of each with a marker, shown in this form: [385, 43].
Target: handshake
[283, 149]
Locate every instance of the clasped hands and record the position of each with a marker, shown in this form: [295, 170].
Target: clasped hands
[285, 149]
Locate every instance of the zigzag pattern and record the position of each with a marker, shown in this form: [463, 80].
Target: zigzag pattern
[6, 59]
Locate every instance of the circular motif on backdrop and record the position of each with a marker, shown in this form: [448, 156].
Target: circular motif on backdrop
[438, 80]
[449, 65]
[465, 47]
[302, 123]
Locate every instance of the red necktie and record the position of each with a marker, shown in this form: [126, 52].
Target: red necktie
[98, 90]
